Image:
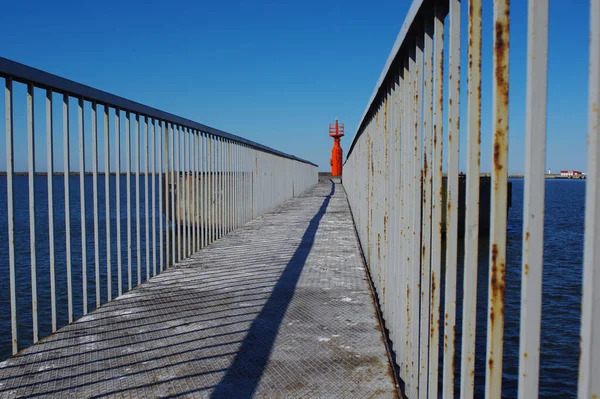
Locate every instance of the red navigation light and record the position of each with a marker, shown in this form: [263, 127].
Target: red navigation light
[337, 132]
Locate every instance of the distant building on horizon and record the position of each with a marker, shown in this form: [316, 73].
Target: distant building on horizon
[572, 174]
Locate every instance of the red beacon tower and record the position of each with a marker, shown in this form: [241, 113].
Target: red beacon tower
[337, 132]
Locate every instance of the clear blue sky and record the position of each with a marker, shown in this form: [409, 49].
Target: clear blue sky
[279, 72]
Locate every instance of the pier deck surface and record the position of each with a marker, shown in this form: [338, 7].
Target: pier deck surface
[278, 308]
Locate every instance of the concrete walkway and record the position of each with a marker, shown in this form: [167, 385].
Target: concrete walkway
[278, 308]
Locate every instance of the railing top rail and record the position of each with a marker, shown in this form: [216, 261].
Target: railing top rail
[26, 74]
[417, 8]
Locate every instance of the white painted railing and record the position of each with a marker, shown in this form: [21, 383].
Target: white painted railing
[393, 176]
[193, 184]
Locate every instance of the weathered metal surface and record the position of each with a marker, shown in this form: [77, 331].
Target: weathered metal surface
[49, 178]
[279, 308]
[436, 226]
[32, 213]
[10, 200]
[95, 202]
[80, 128]
[128, 177]
[589, 366]
[452, 199]
[146, 196]
[67, 194]
[107, 208]
[425, 310]
[472, 202]
[423, 214]
[495, 330]
[534, 190]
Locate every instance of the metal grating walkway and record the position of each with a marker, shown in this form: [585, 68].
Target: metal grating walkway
[278, 308]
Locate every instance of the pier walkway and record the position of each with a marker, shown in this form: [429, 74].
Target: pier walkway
[278, 308]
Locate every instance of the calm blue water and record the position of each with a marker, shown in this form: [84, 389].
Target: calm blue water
[561, 300]
[565, 200]
[22, 249]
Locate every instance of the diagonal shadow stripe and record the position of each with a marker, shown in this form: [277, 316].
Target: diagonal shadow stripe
[243, 376]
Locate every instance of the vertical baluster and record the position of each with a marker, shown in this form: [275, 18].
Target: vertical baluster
[534, 190]
[211, 190]
[244, 180]
[472, 203]
[589, 361]
[396, 208]
[137, 199]
[107, 199]
[32, 238]
[191, 196]
[215, 198]
[223, 187]
[452, 199]
[10, 168]
[186, 210]
[146, 197]
[172, 184]
[193, 190]
[66, 177]
[118, 199]
[202, 219]
[229, 188]
[218, 191]
[236, 177]
[161, 174]
[495, 330]
[95, 201]
[184, 188]
[205, 157]
[426, 203]
[406, 213]
[417, 201]
[153, 151]
[49, 177]
[178, 192]
[167, 191]
[436, 241]
[197, 189]
[128, 161]
[82, 205]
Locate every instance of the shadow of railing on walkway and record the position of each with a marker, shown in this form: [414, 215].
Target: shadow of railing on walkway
[244, 374]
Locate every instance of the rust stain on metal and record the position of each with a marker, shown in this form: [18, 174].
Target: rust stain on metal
[526, 269]
[433, 288]
[385, 219]
[497, 162]
[497, 282]
[453, 339]
[501, 74]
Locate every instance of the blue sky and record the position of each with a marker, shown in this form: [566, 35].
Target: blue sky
[278, 72]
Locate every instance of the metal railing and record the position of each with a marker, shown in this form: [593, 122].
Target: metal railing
[193, 184]
[393, 176]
